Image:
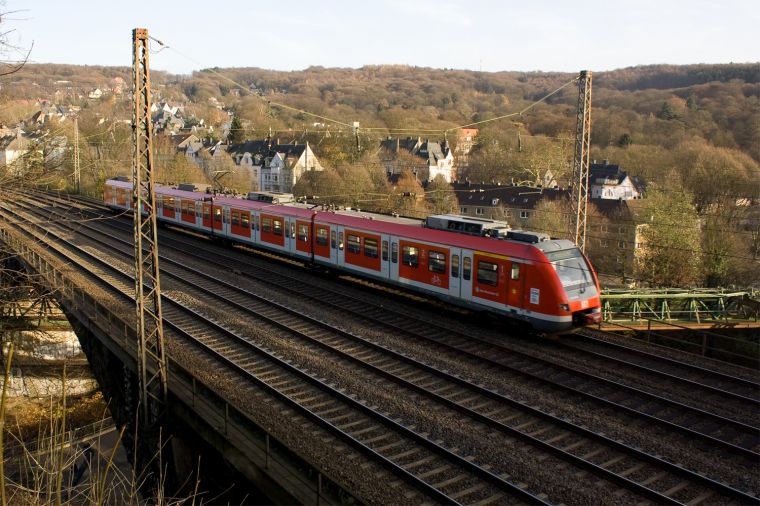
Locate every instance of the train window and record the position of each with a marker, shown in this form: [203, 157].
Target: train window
[385, 251]
[169, 204]
[217, 214]
[353, 243]
[207, 213]
[488, 273]
[410, 256]
[303, 232]
[277, 227]
[245, 221]
[466, 268]
[394, 252]
[436, 262]
[454, 266]
[292, 229]
[515, 272]
[322, 236]
[370, 248]
[333, 241]
[266, 224]
[255, 222]
[340, 241]
[235, 218]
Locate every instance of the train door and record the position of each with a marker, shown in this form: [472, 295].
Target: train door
[517, 272]
[290, 235]
[385, 256]
[455, 272]
[465, 280]
[338, 239]
[394, 258]
[198, 213]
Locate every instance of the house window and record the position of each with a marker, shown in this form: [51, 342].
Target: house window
[488, 273]
[621, 244]
[353, 243]
[410, 256]
[524, 215]
[370, 248]
[462, 210]
[436, 262]
[479, 211]
[494, 202]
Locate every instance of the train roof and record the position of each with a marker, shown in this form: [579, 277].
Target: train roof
[380, 223]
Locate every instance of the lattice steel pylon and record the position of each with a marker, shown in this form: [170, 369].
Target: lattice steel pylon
[151, 359]
[77, 172]
[581, 158]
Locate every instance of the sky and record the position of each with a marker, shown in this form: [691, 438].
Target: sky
[495, 35]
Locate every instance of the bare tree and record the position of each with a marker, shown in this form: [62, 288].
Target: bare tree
[12, 55]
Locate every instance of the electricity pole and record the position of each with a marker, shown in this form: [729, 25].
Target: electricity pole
[151, 360]
[77, 172]
[581, 158]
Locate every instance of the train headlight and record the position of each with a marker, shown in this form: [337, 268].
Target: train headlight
[565, 307]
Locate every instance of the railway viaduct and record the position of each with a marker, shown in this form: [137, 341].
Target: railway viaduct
[214, 439]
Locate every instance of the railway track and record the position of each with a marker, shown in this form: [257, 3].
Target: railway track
[439, 473]
[592, 342]
[531, 422]
[739, 437]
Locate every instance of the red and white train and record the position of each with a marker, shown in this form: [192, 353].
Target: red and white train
[547, 283]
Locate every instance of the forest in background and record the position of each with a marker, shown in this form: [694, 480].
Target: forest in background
[692, 132]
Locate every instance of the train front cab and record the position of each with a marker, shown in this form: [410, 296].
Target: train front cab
[578, 285]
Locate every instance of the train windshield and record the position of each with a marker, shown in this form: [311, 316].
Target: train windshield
[574, 272]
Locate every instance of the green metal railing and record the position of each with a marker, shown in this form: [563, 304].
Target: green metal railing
[698, 305]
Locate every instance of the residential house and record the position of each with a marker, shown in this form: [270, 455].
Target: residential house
[12, 147]
[608, 181]
[95, 94]
[466, 139]
[187, 144]
[435, 158]
[47, 112]
[273, 166]
[511, 203]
